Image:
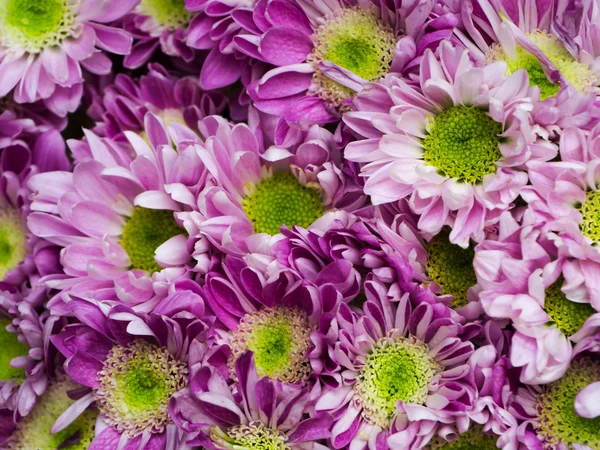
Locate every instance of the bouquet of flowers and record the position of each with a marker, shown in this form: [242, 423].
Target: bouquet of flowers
[299, 224]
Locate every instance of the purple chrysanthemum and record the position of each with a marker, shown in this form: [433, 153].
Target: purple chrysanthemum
[132, 364]
[45, 43]
[120, 238]
[26, 359]
[122, 105]
[526, 278]
[403, 368]
[456, 146]
[259, 414]
[251, 192]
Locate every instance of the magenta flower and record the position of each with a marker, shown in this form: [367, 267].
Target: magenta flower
[333, 48]
[402, 370]
[154, 23]
[252, 192]
[120, 238]
[546, 296]
[131, 365]
[26, 361]
[257, 415]
[456, 146]
[43, 48]
[122, 105]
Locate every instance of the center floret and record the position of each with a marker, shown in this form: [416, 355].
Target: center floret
[34, 25]
[279, 339]
[11, 348]
[356, 40]
[473, 439]
[281, 200]
[451, 267]
[144, 232]
[12, 241]
[568, 316]
[136, 383]
[463, 143]
[590, 216]
[396, 370]
[559, 422]
[33, 432]
[254, 436]
[577, 74]
[167, 13]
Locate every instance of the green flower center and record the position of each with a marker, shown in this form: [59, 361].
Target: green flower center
[559, 423]
[33, 432]
[34, 25]
[279, 339]
[282, 200]
[144, 232]
[396, 370]
[255, 436]
[568, 316]
[11, 348]
[590, 216]
[356, 40]
[168, 13]
[463, 143]
[12, 241]
[577, 74]
[472, 439]
[136, 383]
[451, 267]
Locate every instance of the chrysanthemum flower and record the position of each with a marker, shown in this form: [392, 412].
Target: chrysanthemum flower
[154, 23]
[34, 431]
[26, 149]
[552, 417]
[122, 105]
[281, 319]
[456, 146]
[404, 371]
[26, 359]
[332, 49]
[259, 415]
[253, 192]
[545, 295]
[132, 364]
[45, 43]
[120, 238]
[555, 42]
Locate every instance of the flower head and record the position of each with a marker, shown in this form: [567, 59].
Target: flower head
[45, 43]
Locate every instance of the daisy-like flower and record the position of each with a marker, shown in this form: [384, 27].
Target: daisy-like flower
[545, 295]
[34, 431]
[251, 193]
[456, 146]
[26, 149]
[154, 23]
[120, 238]
[404, 372]
[332, 49]
[552, 415]
[122, 105]
[282, 320]
[26, 361]
[45, 43]
[555, 42]
[131, 375]
[259, 415]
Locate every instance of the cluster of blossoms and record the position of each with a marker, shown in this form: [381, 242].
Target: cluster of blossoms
[299, 224]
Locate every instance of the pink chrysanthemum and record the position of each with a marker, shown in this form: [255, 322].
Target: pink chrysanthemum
[456, 146]
[45, 43]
